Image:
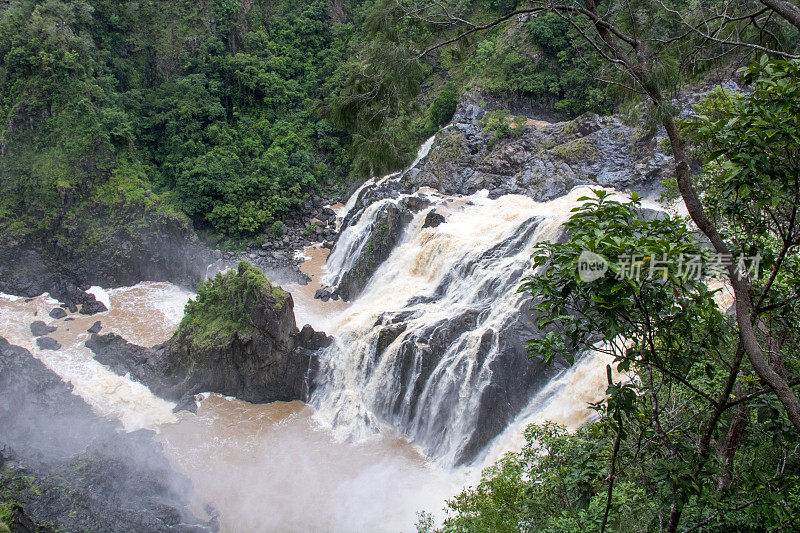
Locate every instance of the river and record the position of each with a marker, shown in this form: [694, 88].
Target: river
[318, 466]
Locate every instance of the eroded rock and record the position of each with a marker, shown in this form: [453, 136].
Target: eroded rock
[258, 355]
[48, 343]
[39, 328]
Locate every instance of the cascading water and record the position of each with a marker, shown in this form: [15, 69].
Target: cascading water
[429, 355]
[433, 344]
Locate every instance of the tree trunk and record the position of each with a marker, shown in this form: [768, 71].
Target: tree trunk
[785, 9]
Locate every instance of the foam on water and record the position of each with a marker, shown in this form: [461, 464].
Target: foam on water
[109, 394]
[436, 275]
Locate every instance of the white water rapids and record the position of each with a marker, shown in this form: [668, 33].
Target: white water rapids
[469, 266]
[369, 452]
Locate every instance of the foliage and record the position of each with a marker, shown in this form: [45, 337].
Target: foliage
[752, 175]
[443, 107]
[545, 61]
[234, 112]
[219, 116]
[277, 229]
[372, 98]
[555, 483]
[501, 124]
[675, 352]
[223, 306]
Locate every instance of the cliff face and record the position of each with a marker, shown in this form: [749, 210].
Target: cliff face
[238, 338]
[508, 154]
[97, 243]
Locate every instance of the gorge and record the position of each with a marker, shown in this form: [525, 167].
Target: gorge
[485, 266]
[423, 381]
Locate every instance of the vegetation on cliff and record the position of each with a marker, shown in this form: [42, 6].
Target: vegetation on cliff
[232, 112]
[224, 306]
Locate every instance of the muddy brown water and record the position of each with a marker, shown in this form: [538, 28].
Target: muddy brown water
[267, 467]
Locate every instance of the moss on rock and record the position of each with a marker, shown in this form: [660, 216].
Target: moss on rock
[576, 151]
[223, 307]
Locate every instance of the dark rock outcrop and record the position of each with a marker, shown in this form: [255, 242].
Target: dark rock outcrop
[91, 308]
[139, 243]
[384, 234]
[48, 343]
[66, 467]
[541, 160]
[57, 313]
[39, 328]
[322, 294]
[261, 358]
[433, 219]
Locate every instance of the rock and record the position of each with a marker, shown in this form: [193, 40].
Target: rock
[39, 328]
[415, 203]
[544, 162]
[468, 113]
[187, 402]
[262, 359]
[384, 234]
[322, 294]
[91, 308]
[433, 219]
[388, 335]
[95, 328]
[313, 340]
[57, 313]
[47, 343]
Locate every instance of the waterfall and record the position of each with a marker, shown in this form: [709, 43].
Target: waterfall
[434, 344]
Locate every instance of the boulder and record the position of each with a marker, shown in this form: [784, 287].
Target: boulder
[433, 219]
[57, 312]
[322, 294]
[94, 307]
[39, 328]
[95, 328]
[313, 340]
[48, 343]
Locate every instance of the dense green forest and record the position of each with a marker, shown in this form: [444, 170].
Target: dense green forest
[233, 112]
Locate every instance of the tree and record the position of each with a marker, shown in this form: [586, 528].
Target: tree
[650, 46]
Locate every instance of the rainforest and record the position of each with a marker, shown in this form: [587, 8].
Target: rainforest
[399, 265]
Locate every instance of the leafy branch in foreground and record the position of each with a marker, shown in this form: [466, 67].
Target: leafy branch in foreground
[681, 440]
